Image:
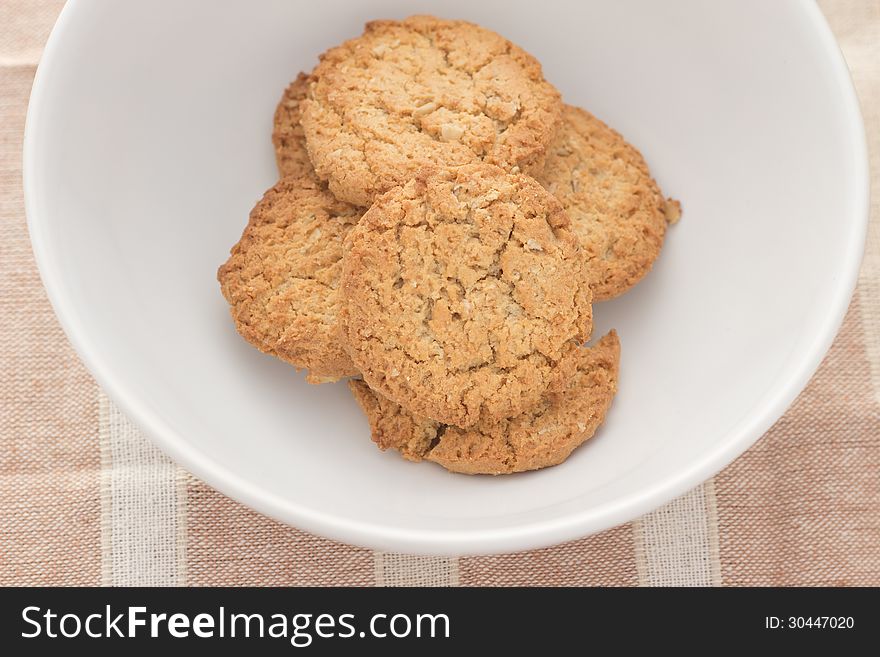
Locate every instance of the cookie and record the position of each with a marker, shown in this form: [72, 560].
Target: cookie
[542, 436]
[616, 208]
[465, 294]
[282, 278]
[291, 154]
[424, 91]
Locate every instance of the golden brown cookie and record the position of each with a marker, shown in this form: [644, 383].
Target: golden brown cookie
[538, 438]
[288, 138]
[282, 278]
[424, 91]
[616, 208]
[465, 294]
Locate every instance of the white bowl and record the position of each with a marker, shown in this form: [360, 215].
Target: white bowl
[148, 142]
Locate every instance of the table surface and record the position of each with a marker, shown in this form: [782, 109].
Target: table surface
[85, 499]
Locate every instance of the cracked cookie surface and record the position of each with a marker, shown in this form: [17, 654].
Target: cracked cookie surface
[541, 437]
[291, 155]
[465, 294]
[282, 277]
[615, 207]
[424, 91]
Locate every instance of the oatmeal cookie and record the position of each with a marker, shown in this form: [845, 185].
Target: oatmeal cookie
[288, 138]
[616, 208]
[424, 91]
[282, 278]
[465, 294]
[538, 438]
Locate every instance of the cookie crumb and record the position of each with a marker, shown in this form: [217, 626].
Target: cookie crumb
[672, 210]
[451, 132]
[427, 108]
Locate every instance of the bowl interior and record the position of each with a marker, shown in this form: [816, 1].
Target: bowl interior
[149, 141]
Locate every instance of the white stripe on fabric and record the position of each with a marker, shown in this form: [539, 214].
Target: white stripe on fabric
[143, 507]
[394, 569]
[677, 545]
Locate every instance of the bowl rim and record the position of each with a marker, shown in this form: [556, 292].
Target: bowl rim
[458, 542]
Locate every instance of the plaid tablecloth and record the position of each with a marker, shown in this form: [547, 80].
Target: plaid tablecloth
[85, 499]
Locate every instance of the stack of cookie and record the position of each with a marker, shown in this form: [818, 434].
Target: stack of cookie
[441, 228]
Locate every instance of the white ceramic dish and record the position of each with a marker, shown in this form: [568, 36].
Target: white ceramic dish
[148, 142]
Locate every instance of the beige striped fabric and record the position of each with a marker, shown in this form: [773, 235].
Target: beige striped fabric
[85, 499]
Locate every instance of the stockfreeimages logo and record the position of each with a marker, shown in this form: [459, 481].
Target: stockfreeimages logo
[300, 629]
